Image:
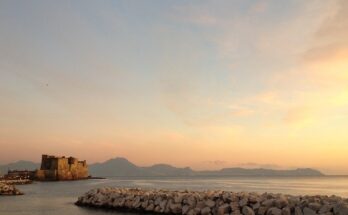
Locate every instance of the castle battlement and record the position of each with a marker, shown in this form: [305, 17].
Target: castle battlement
[61, 168]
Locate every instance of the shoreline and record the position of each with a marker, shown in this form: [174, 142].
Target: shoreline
[211, 202]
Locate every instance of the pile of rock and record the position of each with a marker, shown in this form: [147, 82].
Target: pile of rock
[212, 202]
[16, 181]
[6, 189]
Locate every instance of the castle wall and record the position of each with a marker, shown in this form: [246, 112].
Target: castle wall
[40, 175]
[46, 175]
[81, 170]
[54, 163]
[61, 168]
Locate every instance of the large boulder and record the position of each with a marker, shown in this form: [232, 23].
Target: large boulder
[274, 211]
[224, 209]
[206, 211]
[308, 211]
[341, 209]
[314, 206]
[248, 211]
[210, 203]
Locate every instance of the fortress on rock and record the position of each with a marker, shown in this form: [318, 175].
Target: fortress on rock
[61, 168]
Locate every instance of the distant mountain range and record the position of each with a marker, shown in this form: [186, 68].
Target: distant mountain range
[123, 167]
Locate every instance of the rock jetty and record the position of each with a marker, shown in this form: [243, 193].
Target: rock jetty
[211, 202]
[16, 181]
[9, 190]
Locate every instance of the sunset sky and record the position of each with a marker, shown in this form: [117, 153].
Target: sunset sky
[205, 84]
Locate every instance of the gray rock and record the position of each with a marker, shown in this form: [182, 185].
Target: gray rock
[274, 211]
[197, 210]
[175, 208]
[205, 211]
[281, 202]
[163, 205]
[144, 204]
[200, 205]
[308, 211]
[340, 209]
[262, 210]
[158, 200]
[223, 209]
[243, 202]
[327, 213]
[9, 190]
[150, 207]
[236, 212]
[298, 211]
[157, 209]
[314, 206]
[248, 211]
[178, 198]
[256, 206]
[136, 202]
[234, 206]
[191, 212]
[268, 203]
[293, 201]
[185, 209]
[191, 201]
[209, 203]
[325, 208]
[286, 211]
[226, 196]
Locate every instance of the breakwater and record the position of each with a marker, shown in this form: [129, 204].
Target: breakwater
[211, 202]
[8, 190]
[16, 181]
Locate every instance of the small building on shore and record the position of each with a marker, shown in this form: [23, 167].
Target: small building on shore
[55, 168]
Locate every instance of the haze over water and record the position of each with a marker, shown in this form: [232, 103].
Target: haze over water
[57, 198]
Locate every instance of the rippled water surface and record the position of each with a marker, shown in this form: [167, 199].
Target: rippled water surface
[57, 198]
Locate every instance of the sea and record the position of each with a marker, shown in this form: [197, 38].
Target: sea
[57, 198]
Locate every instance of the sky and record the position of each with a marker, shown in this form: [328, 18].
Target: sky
[205, 84]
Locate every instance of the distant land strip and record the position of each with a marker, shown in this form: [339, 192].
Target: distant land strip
[122, 167]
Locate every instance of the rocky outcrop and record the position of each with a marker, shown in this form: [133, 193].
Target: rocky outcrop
[8, 190]
[16, 182]
[212, 202]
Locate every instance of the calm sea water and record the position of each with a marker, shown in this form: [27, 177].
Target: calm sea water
[58, 198]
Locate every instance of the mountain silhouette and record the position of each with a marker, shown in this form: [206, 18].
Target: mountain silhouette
[122, 167]
[19, 165]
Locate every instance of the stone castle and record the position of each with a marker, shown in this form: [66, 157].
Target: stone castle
[61, 168]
